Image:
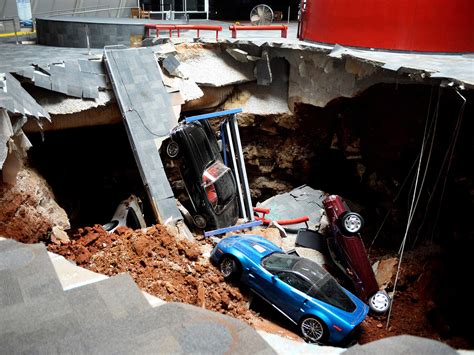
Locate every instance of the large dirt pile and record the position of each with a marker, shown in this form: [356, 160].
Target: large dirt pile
[161, 264]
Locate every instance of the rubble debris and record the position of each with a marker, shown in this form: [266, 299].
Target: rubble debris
[170, 268]
[385, 272]
[59, 236]
[271, 99]
[60, 104]
[17, 100]
[28, 210]
[188, 88]
[13, 145]
[128, 213]
[164, 49]
[6, 132]
[238, 54]
[197, 59]
[263, 72]
[75, 78]
[171, 65]
[301, 201]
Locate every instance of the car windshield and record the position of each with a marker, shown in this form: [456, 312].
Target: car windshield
[323, 285]
[279, 262]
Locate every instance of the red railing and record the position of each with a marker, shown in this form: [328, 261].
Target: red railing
[178, 28]
[282, 28]
[281, 222]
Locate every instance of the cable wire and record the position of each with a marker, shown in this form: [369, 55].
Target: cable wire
[457, 129]
[418, 159]
[417, 190]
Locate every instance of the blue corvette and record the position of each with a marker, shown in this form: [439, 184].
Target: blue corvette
[297, 287]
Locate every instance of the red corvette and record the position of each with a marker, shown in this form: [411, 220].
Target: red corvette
[348, 253]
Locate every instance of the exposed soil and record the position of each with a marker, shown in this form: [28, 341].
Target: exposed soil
[418, 307]
[174, 269]
[161, 264]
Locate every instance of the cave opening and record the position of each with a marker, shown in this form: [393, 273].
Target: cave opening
[362, 148]
[90, 169]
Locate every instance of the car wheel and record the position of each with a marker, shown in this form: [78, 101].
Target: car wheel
[229, 267]
[379, 302]
[200, 221]
[312, 329]
[352, 222]
[172, 149]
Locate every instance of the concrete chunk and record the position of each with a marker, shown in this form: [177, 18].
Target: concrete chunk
[263, 71]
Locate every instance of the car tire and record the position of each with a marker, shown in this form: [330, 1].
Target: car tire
[351, 222]
[313, 329]
[200, 221]
[229, 267]
[172, 149]
[380, 302]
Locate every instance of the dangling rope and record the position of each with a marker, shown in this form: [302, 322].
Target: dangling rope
[452, 147]
[416, 195]
[449, 153]
[418, 159]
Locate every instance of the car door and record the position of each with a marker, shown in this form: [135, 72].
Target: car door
[289, 294]
[259, 280]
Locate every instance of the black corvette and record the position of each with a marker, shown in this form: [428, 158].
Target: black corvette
[209, 183]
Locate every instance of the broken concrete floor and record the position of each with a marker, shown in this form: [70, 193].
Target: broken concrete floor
[175, 269]
[359, 147]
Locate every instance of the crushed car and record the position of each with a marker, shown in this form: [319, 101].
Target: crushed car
[298, 288]
[210, 184]
[348, 253]
[129, 214]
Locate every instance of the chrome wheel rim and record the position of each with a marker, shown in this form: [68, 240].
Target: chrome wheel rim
[227, 267]
[172, 149]
[352, 223]
[312, 329]
[380, 302]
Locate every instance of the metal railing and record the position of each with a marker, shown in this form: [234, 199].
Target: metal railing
[12, 20]
[81, 11]
[68, 11]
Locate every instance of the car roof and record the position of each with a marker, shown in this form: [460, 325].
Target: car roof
[310, 270]
[305, 267]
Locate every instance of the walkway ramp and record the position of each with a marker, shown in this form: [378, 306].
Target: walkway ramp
[107, 317]
[148, 116]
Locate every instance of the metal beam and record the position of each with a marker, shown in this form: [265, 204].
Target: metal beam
[233, 228]
[213, 115]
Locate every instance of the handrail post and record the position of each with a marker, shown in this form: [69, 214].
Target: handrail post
[14, 29]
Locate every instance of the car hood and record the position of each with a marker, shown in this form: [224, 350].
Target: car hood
[254, 246]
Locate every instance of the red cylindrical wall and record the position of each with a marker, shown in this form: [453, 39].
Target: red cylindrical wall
[409, 25]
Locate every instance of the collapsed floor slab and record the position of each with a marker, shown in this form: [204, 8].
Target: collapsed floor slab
[146, 108]
[110, 316]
